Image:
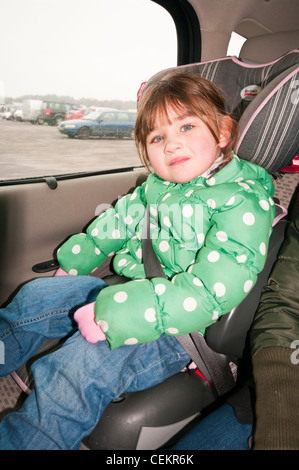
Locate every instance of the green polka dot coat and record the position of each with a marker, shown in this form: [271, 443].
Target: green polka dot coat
[211, 236]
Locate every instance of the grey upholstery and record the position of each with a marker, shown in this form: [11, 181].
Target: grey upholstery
[264, 98]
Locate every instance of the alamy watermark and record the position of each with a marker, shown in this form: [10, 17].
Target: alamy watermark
[167, 221]
[295, 354]
[295, 94]
[2, 353]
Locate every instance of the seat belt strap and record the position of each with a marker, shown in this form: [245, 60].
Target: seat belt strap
[214, 366]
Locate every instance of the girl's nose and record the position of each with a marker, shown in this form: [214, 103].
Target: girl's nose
[172, 144]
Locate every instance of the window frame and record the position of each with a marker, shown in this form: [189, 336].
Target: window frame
[188, 30]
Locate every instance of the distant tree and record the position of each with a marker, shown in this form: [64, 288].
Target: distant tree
[118, 104]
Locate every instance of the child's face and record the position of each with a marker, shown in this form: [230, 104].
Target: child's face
[182, 149]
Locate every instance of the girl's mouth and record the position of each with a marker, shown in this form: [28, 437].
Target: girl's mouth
[178, 160]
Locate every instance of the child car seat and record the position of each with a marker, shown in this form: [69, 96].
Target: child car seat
[263, 99]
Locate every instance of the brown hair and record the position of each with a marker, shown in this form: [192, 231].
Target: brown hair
[186, 93]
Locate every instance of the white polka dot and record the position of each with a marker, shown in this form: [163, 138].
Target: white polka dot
[160, 289]
[94, 232]
[164, 246]
[120, 297]
[244, 185]
[200, 237]
[222, 236]
[211, 203]
[167, 183]
[237, 180]
[103, 325]
[197, 282]
[213, 256]
[76, 249]
[211, 181]
[219, 289]
[128, 219]
[73, 272]
[97, 251]
[215, 315]
[263, 248]
[167, 221]
[122, 262]
[172, 331]
[188, 194]
[264, 205]
[153, 211]
[150, 315]
[134, 195]
[115, 234]
[187, 211]
[131, 341]
[189, 304]
[271, 201]
[133, 266]
[247, 285]
[230, 201]
[139, 253]
[248, 218]
[166, 196]
[241, 258]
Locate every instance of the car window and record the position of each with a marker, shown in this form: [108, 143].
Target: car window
[123, 117]
[107, 117]
[97, 56]
[235, 44]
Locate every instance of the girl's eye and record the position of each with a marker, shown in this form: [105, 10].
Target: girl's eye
[157, 139]
[187, 127]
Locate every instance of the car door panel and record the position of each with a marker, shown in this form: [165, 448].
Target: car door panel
[36, 219]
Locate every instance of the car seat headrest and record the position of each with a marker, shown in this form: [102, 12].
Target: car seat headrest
[268, 47]
[269, 127]
[263, 98]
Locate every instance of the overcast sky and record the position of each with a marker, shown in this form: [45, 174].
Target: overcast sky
[101, 49]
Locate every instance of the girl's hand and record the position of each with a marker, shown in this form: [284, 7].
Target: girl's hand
[60, 272]
[85, 317]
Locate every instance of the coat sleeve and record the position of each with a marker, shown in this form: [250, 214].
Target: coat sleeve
[224, 271]
[84, 252]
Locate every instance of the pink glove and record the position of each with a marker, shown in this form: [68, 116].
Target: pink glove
[61, 272]
[85, 317]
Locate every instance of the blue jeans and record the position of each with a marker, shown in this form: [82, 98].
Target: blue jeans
[74, 384]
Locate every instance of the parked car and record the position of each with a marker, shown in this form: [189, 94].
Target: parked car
[31, 110]
[6, 115]
[107, 123]
[18, 115]
[53, 112]
[81, 112]
[12, 113]
[76, 113]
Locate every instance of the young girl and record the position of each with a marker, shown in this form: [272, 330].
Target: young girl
[210, 216]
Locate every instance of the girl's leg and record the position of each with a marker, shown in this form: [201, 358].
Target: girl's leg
[42, 309]
[74, 385]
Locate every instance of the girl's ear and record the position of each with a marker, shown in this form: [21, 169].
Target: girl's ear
[225, 131]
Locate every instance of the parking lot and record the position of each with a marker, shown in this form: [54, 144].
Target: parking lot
[28, 150]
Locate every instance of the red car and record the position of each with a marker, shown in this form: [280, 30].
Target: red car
[77, 113]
